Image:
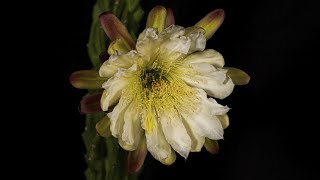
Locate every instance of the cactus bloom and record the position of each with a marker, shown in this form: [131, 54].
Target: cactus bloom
[160, 90]
[157, 89]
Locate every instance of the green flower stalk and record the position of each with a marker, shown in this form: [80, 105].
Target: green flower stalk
[159, 91]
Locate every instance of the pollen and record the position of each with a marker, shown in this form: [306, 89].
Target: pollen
[157, 90]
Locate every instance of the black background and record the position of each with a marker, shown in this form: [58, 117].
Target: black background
[273, 131]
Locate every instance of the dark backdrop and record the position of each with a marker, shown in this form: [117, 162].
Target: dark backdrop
[273, 131]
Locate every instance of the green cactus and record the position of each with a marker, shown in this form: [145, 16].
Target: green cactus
[105, 159]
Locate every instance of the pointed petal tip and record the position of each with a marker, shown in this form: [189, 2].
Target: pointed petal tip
[90, 104]
[211, 146]
[238, 76]
[106, 13]
[211, 22]
[73, 79]
[157, 18]
[219, 12]
[170, 160]
[170, 18]
[247, 80]
[158, 8]
[115, 29]
[86, 79]
[110, 23]
[136, 158]
[103, 127]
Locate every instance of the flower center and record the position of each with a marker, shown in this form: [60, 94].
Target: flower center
[150, 77]
[157, 89]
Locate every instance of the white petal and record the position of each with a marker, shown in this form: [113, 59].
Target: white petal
[209, 56]
[114, 86]
[158, 146]
[217, 109]
[148, 44]
[173, 44]
[197, 140]
[172, 31]
[116, 61]
[112, 93]
[203, 120]
[198, 42]
[132, 131]
[210, 106]
[117, 116]
[130, 147]
[175, 133]
[214, 81]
